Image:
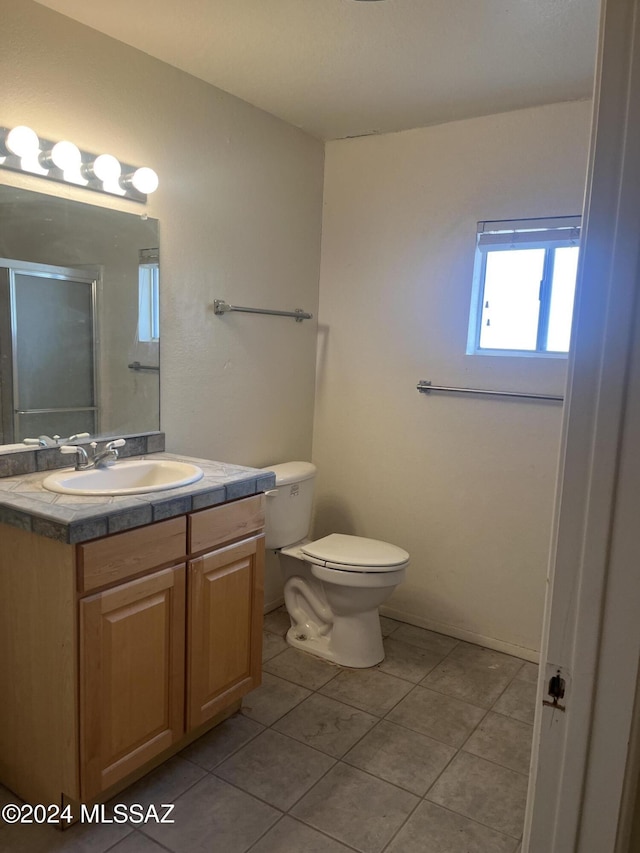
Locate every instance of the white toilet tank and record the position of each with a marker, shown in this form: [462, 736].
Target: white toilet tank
[289, 504]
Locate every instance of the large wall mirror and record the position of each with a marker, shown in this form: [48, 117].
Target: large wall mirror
[79, 319]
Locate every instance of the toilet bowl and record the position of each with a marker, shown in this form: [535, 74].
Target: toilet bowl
[333, 586]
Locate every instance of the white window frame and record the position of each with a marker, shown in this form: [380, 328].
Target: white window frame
[547, 233]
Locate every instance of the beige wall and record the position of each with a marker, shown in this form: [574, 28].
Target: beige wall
[464, 484]
[240, 210]
[239, 204]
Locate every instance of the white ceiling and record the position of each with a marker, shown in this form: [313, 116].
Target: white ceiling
[338, 68]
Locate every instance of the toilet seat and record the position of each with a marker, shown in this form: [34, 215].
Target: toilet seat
[355, 554]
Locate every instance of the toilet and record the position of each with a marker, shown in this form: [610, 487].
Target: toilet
[332, 586]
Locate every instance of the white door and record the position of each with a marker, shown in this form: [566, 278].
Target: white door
[584, 772]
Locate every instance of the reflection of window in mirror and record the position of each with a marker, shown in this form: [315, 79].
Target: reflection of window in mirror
[148, 296]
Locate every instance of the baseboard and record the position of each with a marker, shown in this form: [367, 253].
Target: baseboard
[273, 605]
[460, 634]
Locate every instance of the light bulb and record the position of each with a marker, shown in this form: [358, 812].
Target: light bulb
[22, 141]
[66, 156]
[106, 168]
[145, 180]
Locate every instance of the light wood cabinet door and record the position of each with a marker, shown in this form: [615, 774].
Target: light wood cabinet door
[131, 676]
[226, 593]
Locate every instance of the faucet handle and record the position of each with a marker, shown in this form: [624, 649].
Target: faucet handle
[118, 442]
[68, 448]
[82, 460]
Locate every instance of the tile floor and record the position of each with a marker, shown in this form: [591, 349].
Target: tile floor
[426, 753]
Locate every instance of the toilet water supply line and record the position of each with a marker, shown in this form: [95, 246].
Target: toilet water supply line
[294, 588]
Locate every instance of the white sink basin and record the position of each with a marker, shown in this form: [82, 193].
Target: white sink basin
[124, 478]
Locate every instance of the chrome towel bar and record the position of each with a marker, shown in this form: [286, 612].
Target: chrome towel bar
[135, 365]
[425, 386]
[222, 307]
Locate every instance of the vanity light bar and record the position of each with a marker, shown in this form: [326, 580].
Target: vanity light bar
[22, 150]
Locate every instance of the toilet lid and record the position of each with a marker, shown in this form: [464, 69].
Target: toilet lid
[355, 553]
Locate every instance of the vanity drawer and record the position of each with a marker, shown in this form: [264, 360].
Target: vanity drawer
[124, 555]
[218, 525]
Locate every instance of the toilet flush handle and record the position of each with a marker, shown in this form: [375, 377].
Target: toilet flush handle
[271, 492]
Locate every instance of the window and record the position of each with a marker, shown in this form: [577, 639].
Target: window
[148, 296]
[524, 285]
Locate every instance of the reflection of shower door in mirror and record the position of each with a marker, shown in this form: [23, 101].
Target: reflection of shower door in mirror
[52, 376]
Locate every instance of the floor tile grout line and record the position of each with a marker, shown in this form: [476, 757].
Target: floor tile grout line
[516, 838]
[175, 799]
[244, 791]
[378, 720]
[453, 757]
[461, 749]
[497, 713]
[266, 831]
[466, 817]
[492, 761]
[233, 752]
[151, 838]
[150, 773]
[115, 844]
[411, 813]
[297, 683]
[449, 763]
[347, 669]
[374, 726]
[358, 708]
[284, 734]
[407, 729]
[268, 726]
[509, 717]
[515, 677]
[336, 761]
[474, 729]
[340, 760]
[380, 778]
[433, 736]
[287, 810]
[314, 828]
[266, 802]
[503, 693]
[453, 696]
[420, 799]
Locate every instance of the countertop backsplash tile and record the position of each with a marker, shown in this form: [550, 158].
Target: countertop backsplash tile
[25, 503]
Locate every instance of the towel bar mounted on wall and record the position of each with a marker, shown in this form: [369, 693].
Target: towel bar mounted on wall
[425, 386]
[221, 307]
[135, 365]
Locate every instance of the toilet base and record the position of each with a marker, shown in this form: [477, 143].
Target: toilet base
[354, 640]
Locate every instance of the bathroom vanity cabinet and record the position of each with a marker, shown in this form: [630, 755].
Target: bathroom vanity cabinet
[119, 651]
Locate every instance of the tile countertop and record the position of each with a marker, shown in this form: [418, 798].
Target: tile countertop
[25, 503]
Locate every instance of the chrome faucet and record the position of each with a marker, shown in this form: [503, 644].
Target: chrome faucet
[108, 454]
[55, 441]
[82, 459]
